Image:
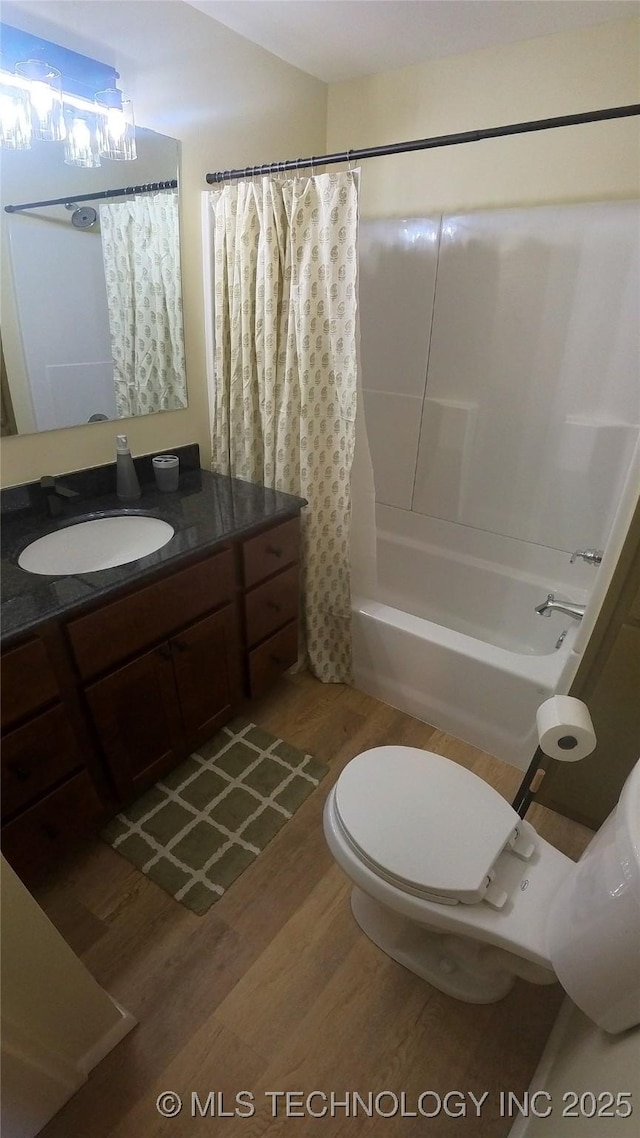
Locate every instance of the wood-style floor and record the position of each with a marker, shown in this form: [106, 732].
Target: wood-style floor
[275, 988]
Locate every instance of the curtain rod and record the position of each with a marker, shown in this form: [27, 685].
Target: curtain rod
[146, 187]
[426, 143]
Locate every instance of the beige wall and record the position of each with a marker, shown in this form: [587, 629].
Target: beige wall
[555, 75]
[230, 103]
[57, 1022]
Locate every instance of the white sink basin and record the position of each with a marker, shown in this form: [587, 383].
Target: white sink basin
[97, 544]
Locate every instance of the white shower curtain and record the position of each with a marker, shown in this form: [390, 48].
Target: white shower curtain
[141, 254]
[285, 373]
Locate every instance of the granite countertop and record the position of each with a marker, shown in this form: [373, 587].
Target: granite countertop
[205, 511]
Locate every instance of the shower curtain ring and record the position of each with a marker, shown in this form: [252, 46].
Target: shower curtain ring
[349, 167]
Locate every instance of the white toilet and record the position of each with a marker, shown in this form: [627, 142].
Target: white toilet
[453, 884]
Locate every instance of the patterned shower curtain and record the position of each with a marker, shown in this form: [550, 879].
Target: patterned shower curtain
[141, 254]
[285, 373]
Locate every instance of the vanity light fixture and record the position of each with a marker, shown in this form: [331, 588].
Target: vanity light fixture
[43, 84]
[52, 94]
[116, 127]
[16, 131]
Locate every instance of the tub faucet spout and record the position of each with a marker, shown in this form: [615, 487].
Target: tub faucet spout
[569, 608]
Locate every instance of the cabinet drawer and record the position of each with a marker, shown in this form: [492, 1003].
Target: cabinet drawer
[33, 838]
[270, 551]
[28, 681]
[117, 631]
[37, 756]
[272, 658]
[271, 605]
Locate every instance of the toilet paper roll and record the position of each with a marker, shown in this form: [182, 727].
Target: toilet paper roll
[565, 730]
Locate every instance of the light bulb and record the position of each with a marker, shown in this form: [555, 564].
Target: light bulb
[45, 96]
[42, 99]
[116, 124]
[15, 119]
[116, 128]
[80, 148]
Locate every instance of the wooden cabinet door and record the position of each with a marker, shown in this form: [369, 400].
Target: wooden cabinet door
[35, 757]
[207, 671]
[28, 681]
[37, 836]
[136, 714]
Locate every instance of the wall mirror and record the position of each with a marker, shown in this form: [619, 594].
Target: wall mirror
[91, 305]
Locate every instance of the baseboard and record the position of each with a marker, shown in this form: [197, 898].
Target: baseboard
[109, 1040]
[541, 1076]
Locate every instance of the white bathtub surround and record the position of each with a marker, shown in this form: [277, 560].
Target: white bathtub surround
[628, 504]
[513, 334]
[532, 402]
[470, 544]
[476, 582]
[284, 404]
[397, 286]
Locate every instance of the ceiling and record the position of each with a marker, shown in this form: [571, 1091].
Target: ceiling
[346, 39]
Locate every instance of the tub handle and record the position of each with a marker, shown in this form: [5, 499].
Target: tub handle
[591, 556]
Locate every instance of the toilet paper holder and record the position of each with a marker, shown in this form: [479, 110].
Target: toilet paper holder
[565, 733]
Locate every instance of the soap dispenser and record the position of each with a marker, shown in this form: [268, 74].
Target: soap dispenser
[127, 485]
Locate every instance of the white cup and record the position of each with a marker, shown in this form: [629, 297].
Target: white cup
[166, 468]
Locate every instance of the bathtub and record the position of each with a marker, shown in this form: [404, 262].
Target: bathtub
[452, 638]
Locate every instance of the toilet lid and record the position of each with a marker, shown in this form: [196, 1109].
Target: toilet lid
[423, 821]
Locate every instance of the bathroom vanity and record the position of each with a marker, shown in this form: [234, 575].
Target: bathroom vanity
[111, 678]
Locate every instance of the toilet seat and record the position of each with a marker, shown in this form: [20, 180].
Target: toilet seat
[427, 825]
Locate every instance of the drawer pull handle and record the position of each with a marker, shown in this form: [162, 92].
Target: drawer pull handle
[274, 606]
[21, 773]
[181, 646]
[165, 651]
[276, 660]
[50, 831]
[274, 551]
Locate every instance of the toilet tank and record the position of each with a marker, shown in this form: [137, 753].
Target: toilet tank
[593, 929]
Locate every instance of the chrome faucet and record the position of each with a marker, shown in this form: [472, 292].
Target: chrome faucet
[569, 608]
[591, 556]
